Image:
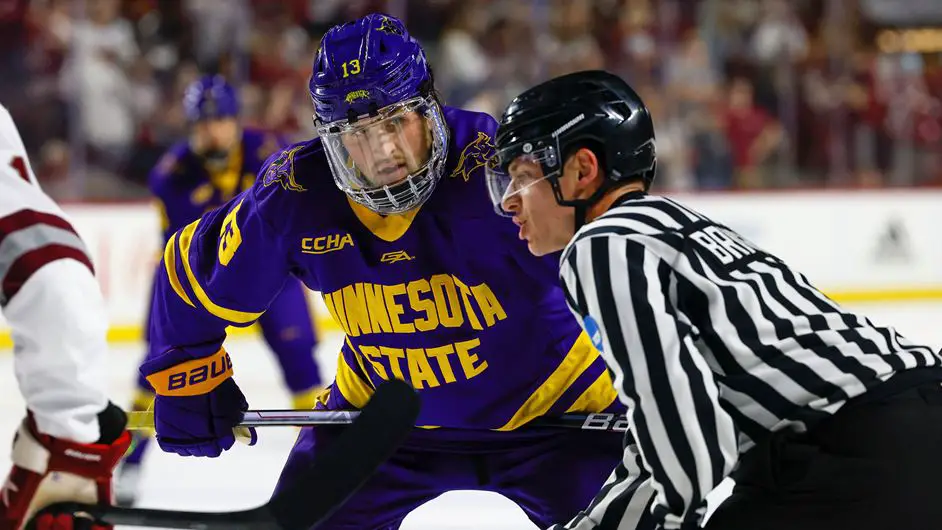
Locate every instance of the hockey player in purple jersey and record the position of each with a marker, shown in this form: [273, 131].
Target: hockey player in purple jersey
[387, 214]
[219, 161]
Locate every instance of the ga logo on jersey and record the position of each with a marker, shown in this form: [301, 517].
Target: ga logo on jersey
[594, 332]
[281, 171]
[394, 256]
[475, 155]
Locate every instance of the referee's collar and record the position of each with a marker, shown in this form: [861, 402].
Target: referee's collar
[630, 196]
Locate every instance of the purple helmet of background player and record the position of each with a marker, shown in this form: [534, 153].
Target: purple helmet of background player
[210, 97]
[212, 108]
[377, 115]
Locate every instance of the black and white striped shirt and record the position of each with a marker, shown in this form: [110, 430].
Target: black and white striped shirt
[714, 344]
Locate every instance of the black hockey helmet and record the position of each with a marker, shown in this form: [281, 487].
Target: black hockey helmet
[594, 109]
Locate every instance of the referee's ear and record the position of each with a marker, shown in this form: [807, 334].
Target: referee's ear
[584, 165]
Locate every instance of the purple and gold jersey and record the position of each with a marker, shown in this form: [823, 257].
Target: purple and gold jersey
[185, 189]
[445, 297]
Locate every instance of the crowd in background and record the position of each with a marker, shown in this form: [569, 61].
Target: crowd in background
[745, 93]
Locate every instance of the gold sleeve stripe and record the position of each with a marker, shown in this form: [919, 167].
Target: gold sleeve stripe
[577, 360]
[356, 355]
[351, 386]
[170, 263]
[598, 397]
[231, 315]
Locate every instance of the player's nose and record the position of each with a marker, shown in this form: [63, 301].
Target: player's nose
[511, 205]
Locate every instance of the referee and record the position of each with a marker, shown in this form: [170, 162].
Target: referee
[730, 362]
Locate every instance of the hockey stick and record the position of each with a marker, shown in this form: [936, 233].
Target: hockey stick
[333, 477]
[597, 421]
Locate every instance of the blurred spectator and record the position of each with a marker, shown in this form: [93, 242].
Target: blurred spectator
[779, 35]
[463, 65]
[745, 93]
[102, 51]
[223, 27]
[752, 133]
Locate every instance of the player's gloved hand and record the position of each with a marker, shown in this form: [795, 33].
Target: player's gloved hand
[47, 470]
[197, 404]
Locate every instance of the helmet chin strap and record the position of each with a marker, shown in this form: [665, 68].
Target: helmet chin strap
[581, 205]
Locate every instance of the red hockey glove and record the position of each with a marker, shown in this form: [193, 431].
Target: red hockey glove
[47, 469]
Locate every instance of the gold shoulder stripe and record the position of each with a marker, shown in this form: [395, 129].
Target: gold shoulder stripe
[170, 264]
[231, 315]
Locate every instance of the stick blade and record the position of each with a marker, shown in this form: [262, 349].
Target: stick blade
[339, 471]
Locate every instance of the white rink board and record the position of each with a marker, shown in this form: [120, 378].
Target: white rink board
[864, 245]
[844, 242]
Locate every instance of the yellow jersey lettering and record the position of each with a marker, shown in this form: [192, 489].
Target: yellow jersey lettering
[379, 318]
[487, 301]
[394, 355]
[466, 298]
[390, 292]
[357, 317]
[442, 300]
[371, 353]
[468, 359]
[334, 303]
[230, 237]
[446, 301]
[430, 321]
[325, 244]
[441, 354]
[420, 371]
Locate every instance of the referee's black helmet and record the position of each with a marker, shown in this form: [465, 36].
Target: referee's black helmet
[594, 109]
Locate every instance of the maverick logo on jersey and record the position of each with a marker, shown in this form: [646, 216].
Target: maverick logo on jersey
[281, 171]
[325, 244]
[475, 155]
[395, 256]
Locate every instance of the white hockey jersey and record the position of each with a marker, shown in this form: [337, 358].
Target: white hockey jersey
[51, 300]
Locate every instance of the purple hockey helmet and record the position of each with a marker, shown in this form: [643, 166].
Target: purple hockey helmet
[375, 110]
[210, 97]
